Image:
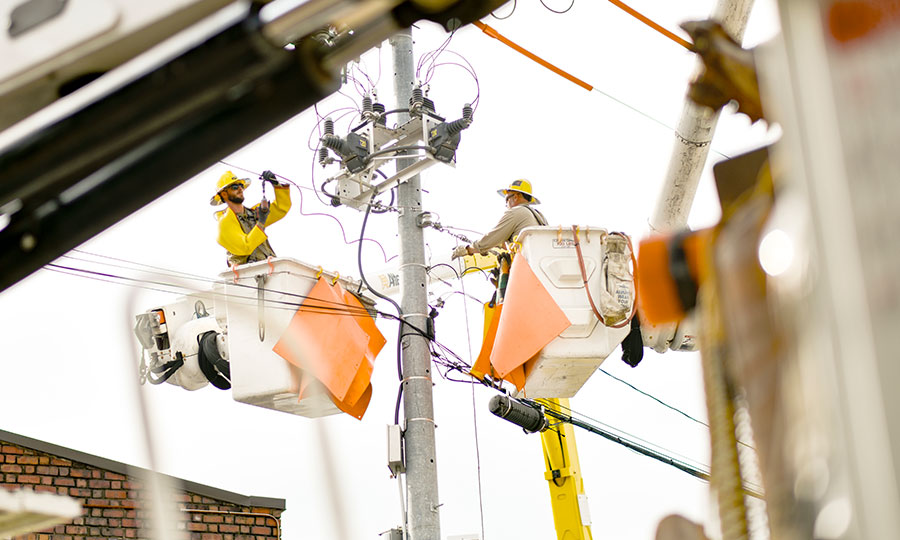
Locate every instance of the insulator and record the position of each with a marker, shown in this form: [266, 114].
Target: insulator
[335, 143]
[378, 108]
[367, 103]
[468, 111]
[428, 104]
[323, 156]
[417, 96]
[456, 126]
[528, 418]
[329, 126]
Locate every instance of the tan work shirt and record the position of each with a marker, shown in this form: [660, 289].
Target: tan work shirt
[511, 223]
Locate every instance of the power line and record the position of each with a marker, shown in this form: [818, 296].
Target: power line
[662, 457]
[654, 398]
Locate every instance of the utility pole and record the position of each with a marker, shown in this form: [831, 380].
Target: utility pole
[421, 468]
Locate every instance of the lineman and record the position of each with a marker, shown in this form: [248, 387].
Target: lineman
[241, 229]
[519, 214]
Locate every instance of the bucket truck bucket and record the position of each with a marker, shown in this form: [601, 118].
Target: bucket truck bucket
[265, 300]
[562, 366]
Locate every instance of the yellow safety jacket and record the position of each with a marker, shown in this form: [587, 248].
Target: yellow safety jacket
[239, 235]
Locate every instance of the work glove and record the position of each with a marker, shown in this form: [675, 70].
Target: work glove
[269, 176]
[262, 212]
[460, 251]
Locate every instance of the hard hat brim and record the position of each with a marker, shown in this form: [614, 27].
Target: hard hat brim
[215, 200]
[504, 192]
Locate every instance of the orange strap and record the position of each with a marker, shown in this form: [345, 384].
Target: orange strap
[651, 24]
[627, 9]
[496, 35]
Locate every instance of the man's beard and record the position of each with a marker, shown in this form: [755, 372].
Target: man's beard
[236, 198]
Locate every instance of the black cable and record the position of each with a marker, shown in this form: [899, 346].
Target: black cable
[450, 266]
[382, 115]
[508, 16]
[400, 334]
[338, 309]
[558, 12]
[661, 402]
[693, 471]
[482, 270]
[390, 204]
[654, 398]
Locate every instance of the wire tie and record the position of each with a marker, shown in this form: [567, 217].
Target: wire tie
[236, 275]
[587, 237]
[271, 266]
[337, 276]
[559, 235]
[319, 273]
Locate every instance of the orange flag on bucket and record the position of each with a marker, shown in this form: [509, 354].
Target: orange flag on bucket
[332, 339]
[482, 365]
[530, 319]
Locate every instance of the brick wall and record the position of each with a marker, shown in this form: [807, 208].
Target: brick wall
[113, 503]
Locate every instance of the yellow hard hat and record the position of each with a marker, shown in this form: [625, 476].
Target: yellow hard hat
[226, 180]
[522, 186]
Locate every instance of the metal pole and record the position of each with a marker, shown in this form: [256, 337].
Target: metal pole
[418, 406]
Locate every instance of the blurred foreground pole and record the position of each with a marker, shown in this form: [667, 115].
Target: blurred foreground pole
[694, 135]
[418, 406]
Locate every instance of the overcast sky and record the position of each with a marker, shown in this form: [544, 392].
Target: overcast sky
[67, 372]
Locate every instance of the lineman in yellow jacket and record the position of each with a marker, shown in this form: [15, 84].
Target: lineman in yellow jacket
[242, 229]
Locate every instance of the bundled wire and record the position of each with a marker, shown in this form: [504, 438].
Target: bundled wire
[325, 307]
[445, 359]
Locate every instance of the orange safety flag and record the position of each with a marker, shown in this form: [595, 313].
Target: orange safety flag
[530, 320]
[482, 365]
[332, 339]
[361, 385]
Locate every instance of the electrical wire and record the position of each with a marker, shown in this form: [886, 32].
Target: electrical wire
[555, 11]
[661, 402]
[441, 355]
[513, 10]
[310, 214]
[474, 408]
[400, 333]
[432, 57]
[499, 37]
[622, 433]
[654, 398]
[335, 308]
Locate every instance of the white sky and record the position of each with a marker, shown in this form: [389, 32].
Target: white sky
[67, 371]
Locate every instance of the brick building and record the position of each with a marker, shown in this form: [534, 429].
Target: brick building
[113, 497]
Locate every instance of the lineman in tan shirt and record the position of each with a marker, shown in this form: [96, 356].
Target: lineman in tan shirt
[519, 214]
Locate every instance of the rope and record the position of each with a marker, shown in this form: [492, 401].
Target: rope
[686, 44]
